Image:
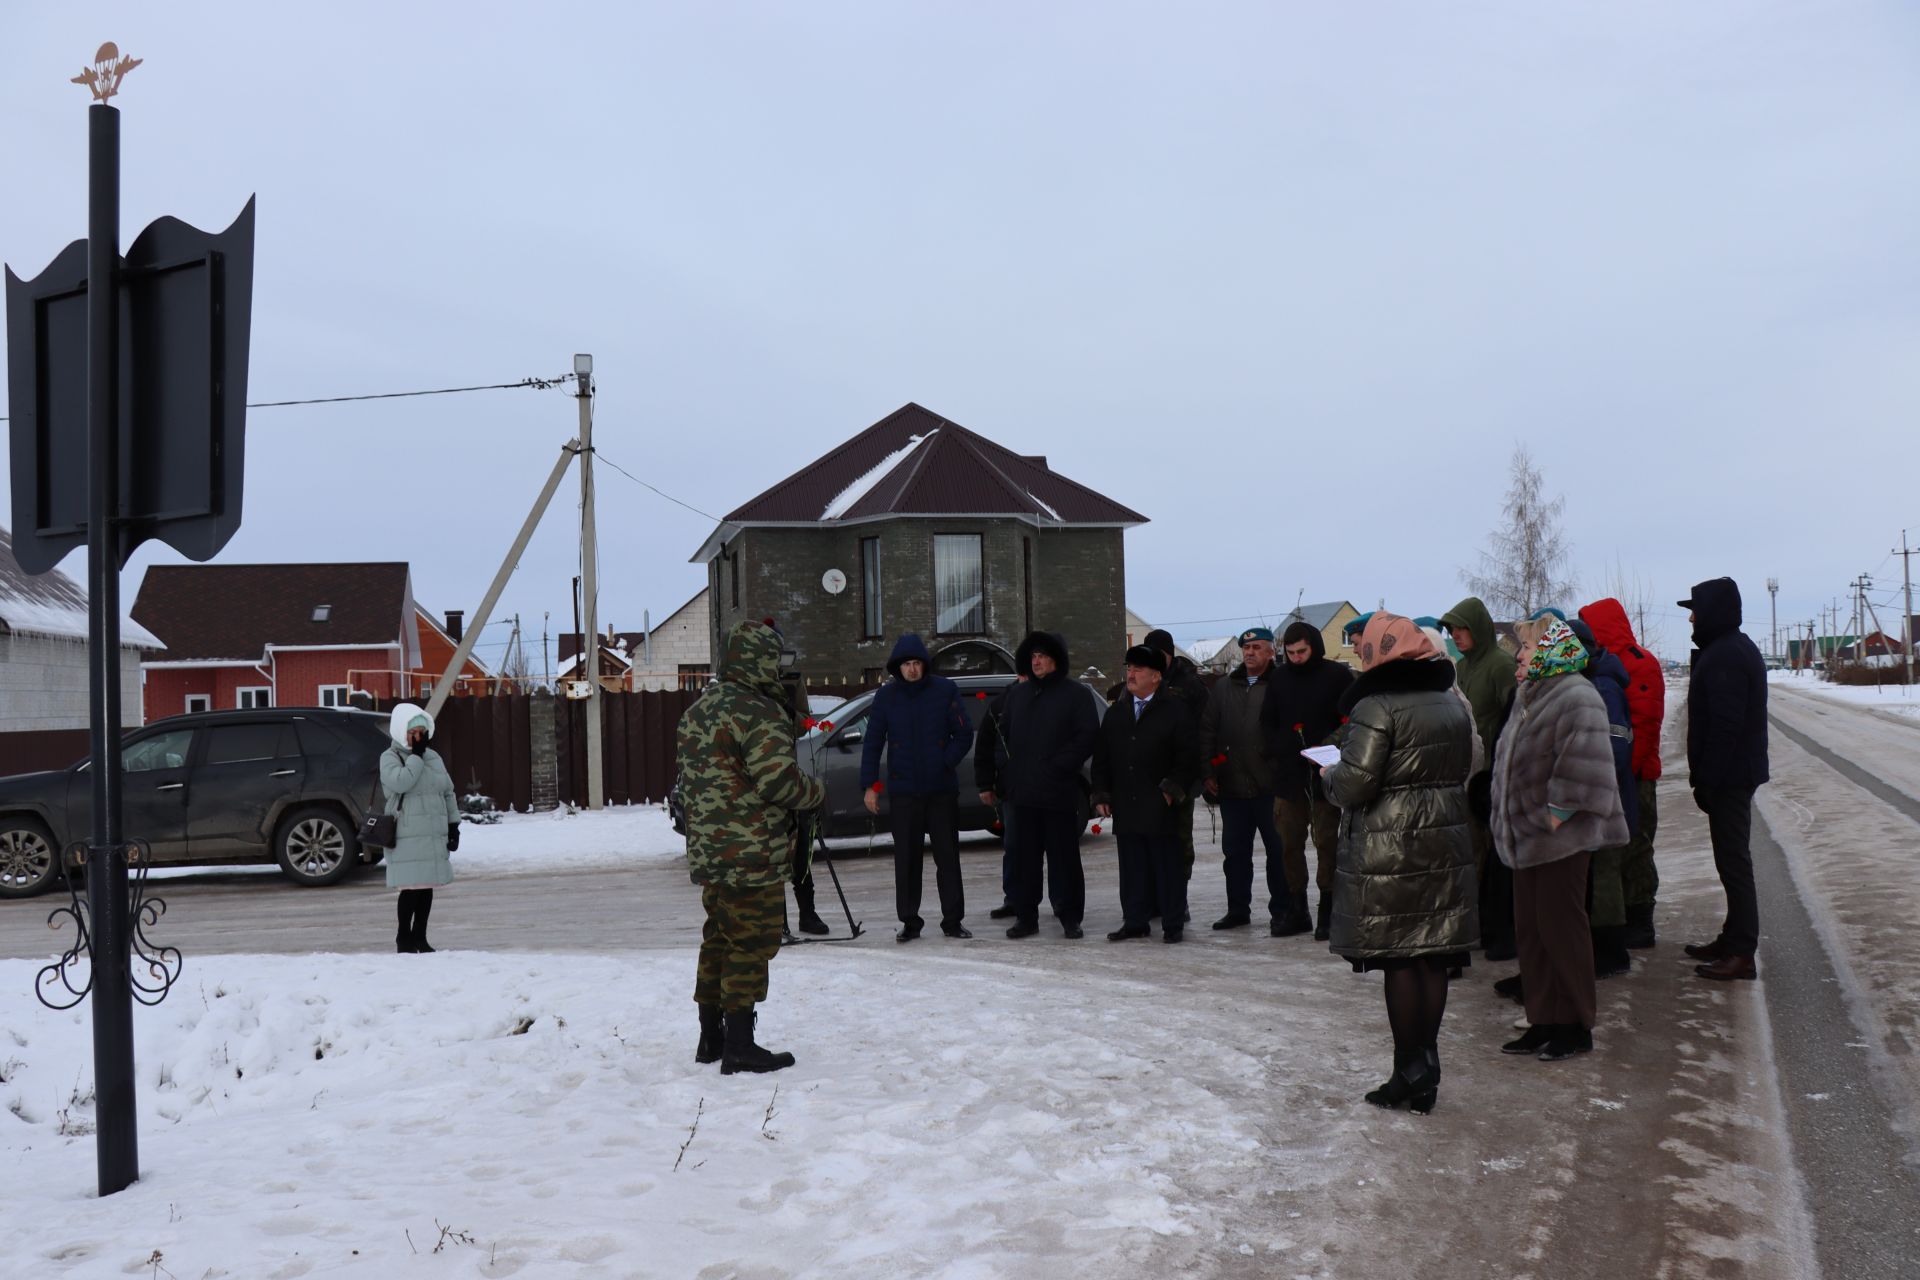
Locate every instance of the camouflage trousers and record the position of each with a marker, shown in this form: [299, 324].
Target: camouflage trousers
[741, 935]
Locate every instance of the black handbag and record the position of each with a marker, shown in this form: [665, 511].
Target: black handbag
[381, 830]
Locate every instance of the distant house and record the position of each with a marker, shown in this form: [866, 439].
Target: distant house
[1216, 654]
[676, 654]
[293, 635]
[45, 706]
[918, 524]
[438, 643]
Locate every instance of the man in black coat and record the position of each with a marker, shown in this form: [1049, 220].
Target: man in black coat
[1182, 681]
[989, 762]
[1303, 710]
[1727, 761]
[1048, 730]
[1144, 765]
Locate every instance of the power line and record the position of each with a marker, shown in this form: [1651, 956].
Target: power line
[644, 485]
[535, 384]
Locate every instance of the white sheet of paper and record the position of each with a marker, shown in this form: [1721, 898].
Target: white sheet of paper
[1322, 756]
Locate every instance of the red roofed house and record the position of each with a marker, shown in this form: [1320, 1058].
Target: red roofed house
[918, 524]
[287, 635]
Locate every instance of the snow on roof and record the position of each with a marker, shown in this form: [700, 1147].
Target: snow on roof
[859, 489]
[1209, 649]
[52, 604]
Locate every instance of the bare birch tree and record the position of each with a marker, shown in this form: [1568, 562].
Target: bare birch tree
[1524, 566]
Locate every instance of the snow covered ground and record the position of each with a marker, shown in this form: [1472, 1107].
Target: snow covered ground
[1903, 700]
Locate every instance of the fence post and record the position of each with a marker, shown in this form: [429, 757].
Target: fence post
[542, 729]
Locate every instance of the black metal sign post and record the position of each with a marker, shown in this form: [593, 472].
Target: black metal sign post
[118, 1146]
[126, 390]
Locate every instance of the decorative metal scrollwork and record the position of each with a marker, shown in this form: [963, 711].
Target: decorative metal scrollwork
[152, 969]
[163, 963]
[63, 971]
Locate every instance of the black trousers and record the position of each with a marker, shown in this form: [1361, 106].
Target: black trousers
[916, 820]
[1729, 813]
[1153, 875]
[1239, 820]
[1052, 837]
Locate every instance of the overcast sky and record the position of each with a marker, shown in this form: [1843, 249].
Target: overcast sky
[1290, 279]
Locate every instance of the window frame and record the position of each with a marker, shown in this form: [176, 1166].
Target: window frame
[240, 697]
[204, 699]
[344, 691]
[933, 566]
[873, 608]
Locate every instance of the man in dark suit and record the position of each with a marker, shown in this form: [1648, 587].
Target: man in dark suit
[1145, 762]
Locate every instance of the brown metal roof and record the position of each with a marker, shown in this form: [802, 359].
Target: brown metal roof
[951, 471]
[208, 611]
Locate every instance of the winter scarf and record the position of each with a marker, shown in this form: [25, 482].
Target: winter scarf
[1557, 652]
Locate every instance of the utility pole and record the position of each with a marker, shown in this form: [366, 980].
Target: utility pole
[589, 573]
[1906, 619]
[1773, 593]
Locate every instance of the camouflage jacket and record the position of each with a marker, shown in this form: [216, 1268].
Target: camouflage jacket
[739, 781]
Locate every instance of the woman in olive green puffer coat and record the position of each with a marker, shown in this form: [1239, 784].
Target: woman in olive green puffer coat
[1405, 892]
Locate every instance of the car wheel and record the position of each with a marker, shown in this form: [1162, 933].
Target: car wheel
[316, 846]
[28, 863]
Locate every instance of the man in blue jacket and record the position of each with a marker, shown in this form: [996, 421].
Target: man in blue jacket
[1727, 761]
[918, 721]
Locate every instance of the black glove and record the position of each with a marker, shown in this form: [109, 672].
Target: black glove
[418, 748]
[453, 836]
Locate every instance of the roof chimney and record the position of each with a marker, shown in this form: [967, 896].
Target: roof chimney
[456, 624]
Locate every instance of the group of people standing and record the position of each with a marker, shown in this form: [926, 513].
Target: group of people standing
[1475, 792]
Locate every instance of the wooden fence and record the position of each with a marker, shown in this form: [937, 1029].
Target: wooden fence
[636, 740]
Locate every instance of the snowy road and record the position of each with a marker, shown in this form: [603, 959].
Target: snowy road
[960, 1109]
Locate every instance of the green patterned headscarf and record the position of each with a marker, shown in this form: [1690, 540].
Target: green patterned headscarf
[1558, 652]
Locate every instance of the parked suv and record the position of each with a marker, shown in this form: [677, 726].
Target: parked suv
[833, 756]
[287, 785]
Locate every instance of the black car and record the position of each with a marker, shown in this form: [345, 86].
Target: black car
[286, 785]
[832, 754]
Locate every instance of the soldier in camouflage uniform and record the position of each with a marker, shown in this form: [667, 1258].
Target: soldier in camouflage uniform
[741, 787]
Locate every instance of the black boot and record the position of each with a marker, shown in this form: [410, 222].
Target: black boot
[1610, 958]
[403, 940]
[1639, 935]
[810, 921]
[1323, 923]
[1294, 920]
[1514, 989]
[1233, 920]
[741, 1053]
[1421, 1104]
[1413, 1084]
[713, 1034]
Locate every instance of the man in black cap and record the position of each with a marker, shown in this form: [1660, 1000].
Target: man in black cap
[1182, 681]
[1303, 710]
[1239, 770]
[1727, 762]
[1144, 764]
[1048, 726]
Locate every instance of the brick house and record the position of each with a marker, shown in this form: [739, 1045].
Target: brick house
[45, 701]
[295, 635]
[922, 525]
[676, 654]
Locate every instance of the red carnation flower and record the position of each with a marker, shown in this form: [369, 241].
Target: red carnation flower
[982, 695]
[1096, 828]
[826, 724]
[1299, 728]
[1343, 720]
[809, 723]
[878, 787]
[1218, 760]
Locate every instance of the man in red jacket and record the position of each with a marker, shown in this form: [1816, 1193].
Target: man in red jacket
[1647, 704]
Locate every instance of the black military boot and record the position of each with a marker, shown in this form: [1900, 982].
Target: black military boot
[1323, 923]
[713, 1034]
[1294, 920]
[741, 1053]
[1639, 926]
[810, 921]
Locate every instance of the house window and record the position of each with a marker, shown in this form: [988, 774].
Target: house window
[959, 584]
[872, 618]
[336, 695]
[259, 696]
[1026, 579]
[199, 702]
[322, 612]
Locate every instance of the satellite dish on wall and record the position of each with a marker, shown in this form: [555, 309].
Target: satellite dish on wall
[833, 581]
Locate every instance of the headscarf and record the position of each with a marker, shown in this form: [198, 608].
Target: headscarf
[1388, 637]
[1558, 652]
